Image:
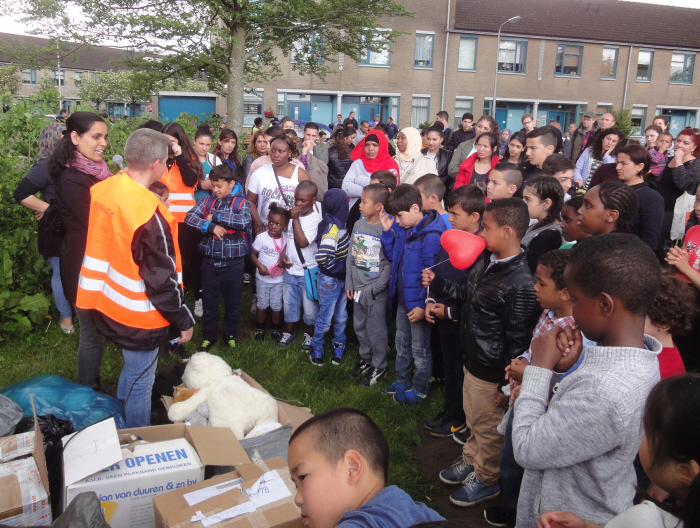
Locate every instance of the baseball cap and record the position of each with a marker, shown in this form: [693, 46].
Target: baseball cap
[590, 115]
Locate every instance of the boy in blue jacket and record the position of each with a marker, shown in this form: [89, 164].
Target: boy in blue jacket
[410, 246]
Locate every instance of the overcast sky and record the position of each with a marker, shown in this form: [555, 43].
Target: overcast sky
[16, 27]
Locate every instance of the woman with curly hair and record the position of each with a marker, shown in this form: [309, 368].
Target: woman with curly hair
[603, 150]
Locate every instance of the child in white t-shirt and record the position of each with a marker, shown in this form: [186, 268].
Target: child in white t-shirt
[265, 256]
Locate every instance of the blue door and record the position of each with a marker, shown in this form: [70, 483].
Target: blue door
[171, 106]
[300, 111]
[558, 117]
[501, 117]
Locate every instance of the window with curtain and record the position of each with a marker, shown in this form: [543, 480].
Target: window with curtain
[420, 110]
[682, 68]
[29, 76]
[423, 55]
[377, 58]
[608, 67]
[644, 63]
[568, 60]
[512, 55]
[467, 53]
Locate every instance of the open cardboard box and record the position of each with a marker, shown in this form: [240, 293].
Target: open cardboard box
[176, 456]
[275, 443]
[173, 511]
[24, 484]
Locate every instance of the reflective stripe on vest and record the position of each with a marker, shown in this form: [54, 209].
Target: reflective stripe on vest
[109, 278]
[181, 197]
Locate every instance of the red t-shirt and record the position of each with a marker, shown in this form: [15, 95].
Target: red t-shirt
[670, 362]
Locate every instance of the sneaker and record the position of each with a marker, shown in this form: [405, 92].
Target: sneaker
[178, 349]
[338, 350]
[448, 427]
[231, 342]
[316, 356]
[458, 472]
[275, 335]
[410, 397]
[205, 346]
[246, 278]
[499, 516]
[287, 339]
[359, 369]
[397, 387]
[474, 491]
[372, 377]
[461, 436]
[198, 308]
[260, 334]
[435, 421]
[306, 345]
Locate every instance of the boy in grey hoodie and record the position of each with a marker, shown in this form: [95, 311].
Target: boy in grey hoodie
[578, 451]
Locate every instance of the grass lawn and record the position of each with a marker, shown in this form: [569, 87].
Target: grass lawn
[286, 373]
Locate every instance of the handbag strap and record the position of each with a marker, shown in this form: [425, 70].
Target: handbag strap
[279, 186]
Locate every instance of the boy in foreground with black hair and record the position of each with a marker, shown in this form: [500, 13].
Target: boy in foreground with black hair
[432, 191]
[225, 221]
[578, 449]
[339, 461]
[499, 312]
[410, 246]
[466, 205]
[367, 283]
[505, 179]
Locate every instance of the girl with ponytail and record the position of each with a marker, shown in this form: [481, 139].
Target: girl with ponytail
[633, 164]
[544, 197]
[670, 455]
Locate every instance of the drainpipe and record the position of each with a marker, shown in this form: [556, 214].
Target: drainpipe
[627, 79]
[444, 67]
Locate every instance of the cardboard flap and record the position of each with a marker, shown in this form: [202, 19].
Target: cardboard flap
[11, 496]
[216, 446]
[38, 454]
[297, 415]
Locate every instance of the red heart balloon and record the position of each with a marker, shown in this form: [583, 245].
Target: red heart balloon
[462, 247]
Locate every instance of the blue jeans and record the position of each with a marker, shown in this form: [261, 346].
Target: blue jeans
[216, 281]
[413, 349]
[62, 303]
[332, 304]
[138, 406]
[295, 298]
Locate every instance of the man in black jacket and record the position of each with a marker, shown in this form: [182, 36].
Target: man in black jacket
[350, 120]
[499, 313]
[443, 117]
[464, 133]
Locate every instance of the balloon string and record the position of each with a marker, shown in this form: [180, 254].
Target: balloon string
[427, 292]
[431, 267]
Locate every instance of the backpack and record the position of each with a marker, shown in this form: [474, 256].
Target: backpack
[236, 205]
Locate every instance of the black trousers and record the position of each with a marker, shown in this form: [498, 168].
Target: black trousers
[188, 239]
[218, 281]
[452, 364]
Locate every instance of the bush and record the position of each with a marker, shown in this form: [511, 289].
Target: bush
[623, 121]
[25, 276]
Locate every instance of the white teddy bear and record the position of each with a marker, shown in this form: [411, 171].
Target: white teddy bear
[230, 401]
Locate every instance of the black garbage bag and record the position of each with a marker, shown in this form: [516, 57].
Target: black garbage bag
[85, 511]
[10, 414]
[53, 429]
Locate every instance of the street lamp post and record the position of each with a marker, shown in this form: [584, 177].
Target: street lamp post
[495, 77]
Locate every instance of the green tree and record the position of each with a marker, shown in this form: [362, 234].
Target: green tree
[184, 85]
[99, 87]
[47, 93]
[10, 83]
[236, 43]
[623, 121]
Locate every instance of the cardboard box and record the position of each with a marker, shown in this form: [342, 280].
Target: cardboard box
[176, 458]
[24, 483]
[172, 510]
[275, 443]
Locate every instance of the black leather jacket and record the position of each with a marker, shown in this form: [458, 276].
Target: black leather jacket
[337, 168]
[442, 161]
[499, 314]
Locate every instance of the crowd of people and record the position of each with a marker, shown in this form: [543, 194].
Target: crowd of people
[550, 345]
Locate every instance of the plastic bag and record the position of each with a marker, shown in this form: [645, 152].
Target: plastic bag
[53, 430]
[64, 399]
[10, 414]
[684, 205]
[85, 511]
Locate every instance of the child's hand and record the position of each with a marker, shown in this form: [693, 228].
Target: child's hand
[517, 369]
[209, 217]
[515, 391]
[296, 212]
[262, 269]
[349, 294]
[545, 349]
[284, 262]
[219, 232]
[427, 278]
[259, 226]
[570, 341]
[561, 519]
[416, 314]
[177, 149]
[501, 400]
[386, 220]
[437, 310]
[678, 258]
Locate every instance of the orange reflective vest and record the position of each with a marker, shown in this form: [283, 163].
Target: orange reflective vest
[109, 278]
[181, 197]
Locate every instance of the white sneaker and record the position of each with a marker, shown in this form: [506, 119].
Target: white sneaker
[198, 308]
[307, 342]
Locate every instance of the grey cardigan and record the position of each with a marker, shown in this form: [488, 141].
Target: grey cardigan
[578, 451]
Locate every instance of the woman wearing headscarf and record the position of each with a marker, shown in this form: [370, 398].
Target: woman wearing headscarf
[37, 181]
[333, 241]
[505, 139]
[412, 163]
[75, 165]
[370, 155]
